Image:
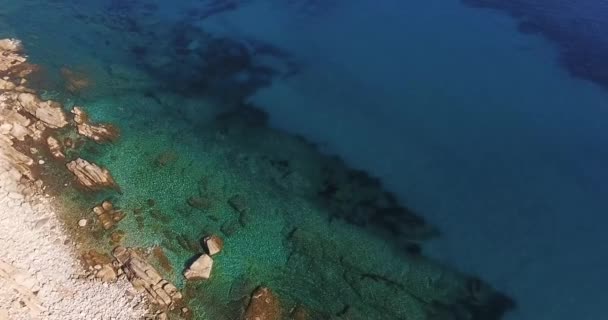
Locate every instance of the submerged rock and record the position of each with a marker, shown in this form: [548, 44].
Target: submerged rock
[99, 133]
[200, 268]
[238, 203]
[107, 215]
[201, 203]
[91, 176]
[144, 277]
[55, 148]
[264, 305]
[75, 82]
[213, 244]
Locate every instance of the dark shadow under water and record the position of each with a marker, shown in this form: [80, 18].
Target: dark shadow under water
[577, 27]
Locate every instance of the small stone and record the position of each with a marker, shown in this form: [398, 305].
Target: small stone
[40, 161]
[82, 222]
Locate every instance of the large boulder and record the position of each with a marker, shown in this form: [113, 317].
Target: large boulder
[49, 112]
[91, 176]
[213, 244]
[264, 305]
[144, 277]
[200, 268]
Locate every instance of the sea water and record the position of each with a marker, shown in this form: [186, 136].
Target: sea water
[473, 125]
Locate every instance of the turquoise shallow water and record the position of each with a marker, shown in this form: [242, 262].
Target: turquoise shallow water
[468, 122]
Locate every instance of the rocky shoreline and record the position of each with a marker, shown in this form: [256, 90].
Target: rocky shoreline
[41, 276]
[89, 285]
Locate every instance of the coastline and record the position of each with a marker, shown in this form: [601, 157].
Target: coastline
[292, 226]
[40, 273]
[41, 276]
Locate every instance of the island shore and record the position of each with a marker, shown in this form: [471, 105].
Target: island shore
[41, 276]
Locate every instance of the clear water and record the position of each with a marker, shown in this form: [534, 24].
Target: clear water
[479, 128]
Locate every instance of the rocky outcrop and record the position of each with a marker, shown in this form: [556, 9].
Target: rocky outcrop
[144, 277]
[99, 133]
[11, 45]
[264, 305]
[213, 244]
[200, 268]
[19, 160]
[107, 215]
[91, 176]
[55, 148]
[49, 112]
[13, 123]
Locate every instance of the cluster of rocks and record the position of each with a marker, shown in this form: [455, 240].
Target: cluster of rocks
[99, 133]
[22, 114]
[203, 264]
[108, 216]
[145, 278]
[101, 266]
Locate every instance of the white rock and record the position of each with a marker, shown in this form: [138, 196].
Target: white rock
[200, 268]
[82, 222]
[213, 244]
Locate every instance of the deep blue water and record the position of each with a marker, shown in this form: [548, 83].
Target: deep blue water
[486, 118]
